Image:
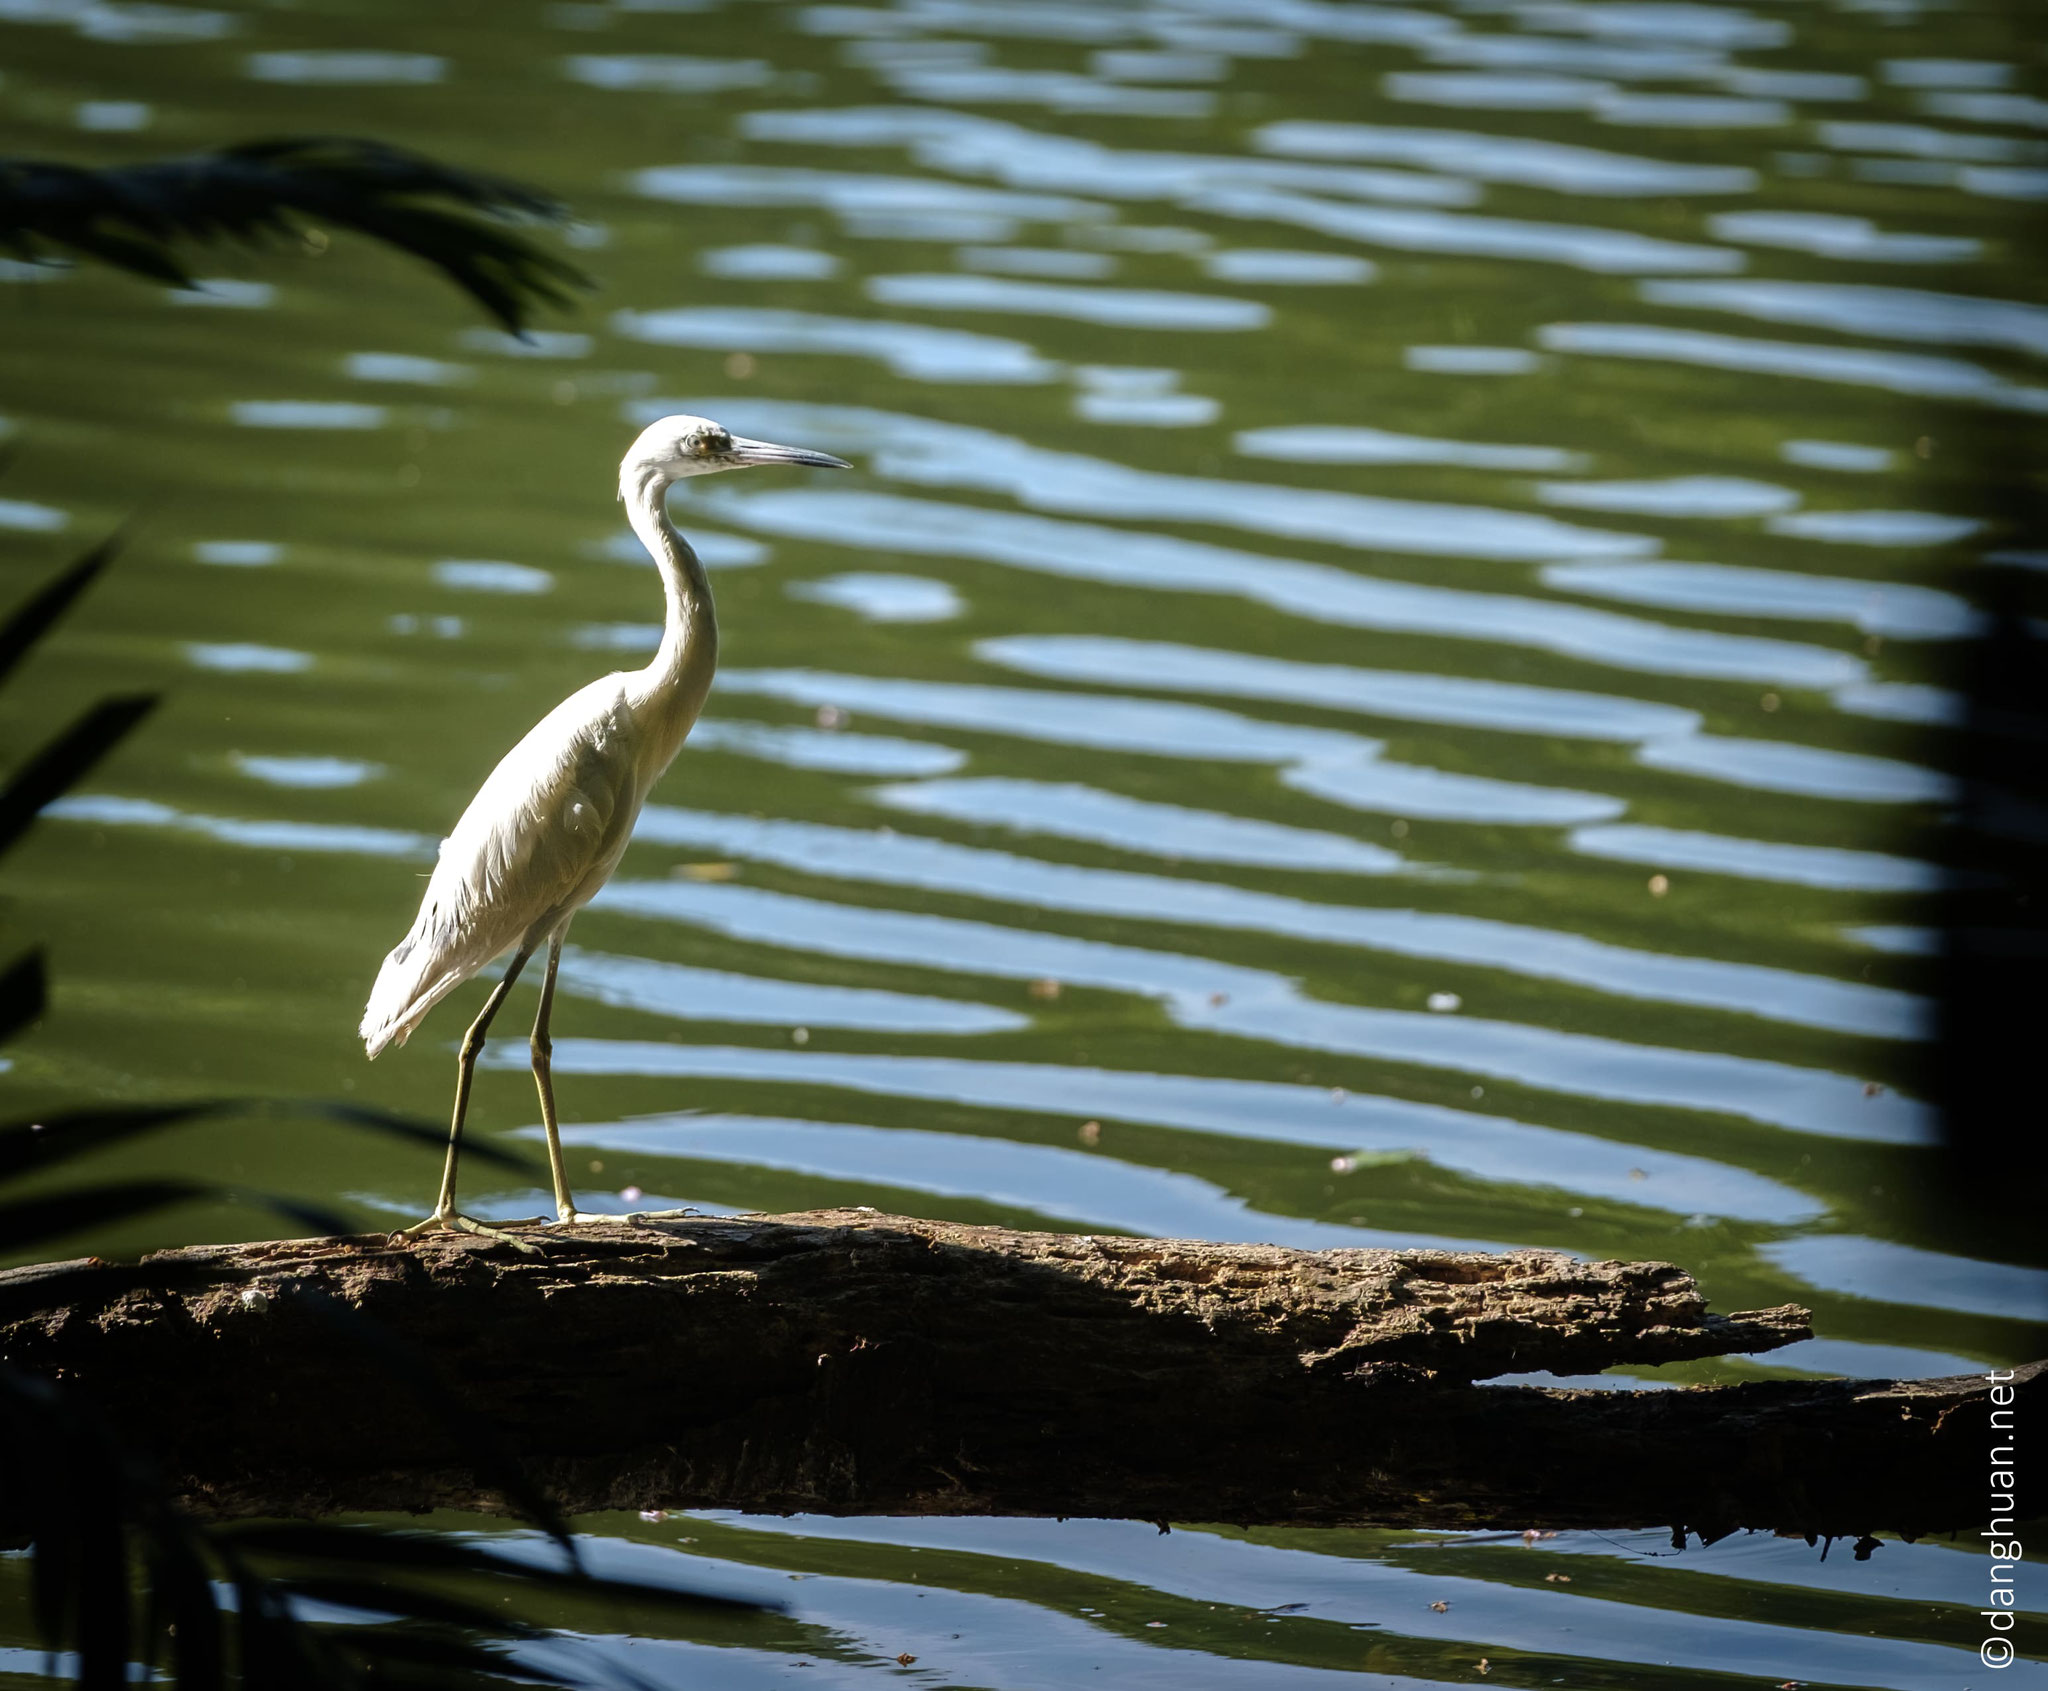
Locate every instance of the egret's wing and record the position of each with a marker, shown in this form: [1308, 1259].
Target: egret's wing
[545, 819]
[540, 835]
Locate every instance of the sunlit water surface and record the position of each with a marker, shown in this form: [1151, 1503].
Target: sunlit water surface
[1380, 678]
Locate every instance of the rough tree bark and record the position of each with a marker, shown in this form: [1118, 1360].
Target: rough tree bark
[854, 1363]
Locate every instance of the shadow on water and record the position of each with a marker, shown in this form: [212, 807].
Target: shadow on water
[1993, 959]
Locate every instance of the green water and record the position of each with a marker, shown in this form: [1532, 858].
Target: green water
[1608, 638]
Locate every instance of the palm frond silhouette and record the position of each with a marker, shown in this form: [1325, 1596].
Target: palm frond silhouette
[138, 217]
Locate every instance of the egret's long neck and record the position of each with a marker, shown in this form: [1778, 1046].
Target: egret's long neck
[680, 675]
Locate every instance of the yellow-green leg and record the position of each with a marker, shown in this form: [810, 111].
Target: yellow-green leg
[446, 1218]
[543, 1049]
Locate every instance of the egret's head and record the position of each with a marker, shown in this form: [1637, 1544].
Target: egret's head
[674, 447]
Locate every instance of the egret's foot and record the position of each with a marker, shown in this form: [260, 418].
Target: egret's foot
[573, 1218]
[453, 1221]
[576, 1218]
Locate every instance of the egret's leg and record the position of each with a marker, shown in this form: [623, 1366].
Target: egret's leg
[445, 1217]
[543, 1047]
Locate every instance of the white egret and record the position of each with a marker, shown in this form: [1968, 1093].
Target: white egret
[548, 827]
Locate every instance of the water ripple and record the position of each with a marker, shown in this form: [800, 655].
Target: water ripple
[666, 73]
[718, 995]
[935, 454]
[1121, 308]
[1032, 159]
[851, 193]
[915, 350]
[1067, 810]
[1486, 1148]
[1411, 695]
[24, 516]
[1524, 160]
[268, 835]
[1876, 528]
[768, 261]
[1674, 496]
[1258, 1005]
[1100, 722]
[1832, 235]
[1894, 372]
[883, 598]
[306, 414]
[1051, 1180]
[1319, 592]
[1279, 267]
[1514, 1614]
[1064, 263]
[1893, 1273]
[1837, 455]
[1614, 252]
[1326, 443]
[307, 772]
[1899, 314]
[1896, 610]
[1920, 141]
[346, 67]
[1402, 790]
[817, 748]
[1778, 766]
[888, 858]
[1628, 61]
[1341, 767]
[1061, 91]
[1834, 867]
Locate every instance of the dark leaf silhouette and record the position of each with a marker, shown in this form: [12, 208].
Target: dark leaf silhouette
[66, 760]
[25, 1146]
[55, 1138]
[135, 216]
[29, 1223]
[24, 990]
[95, 1513]
[32, 620]
[402, 1127]
[118, 1572]
[433, 1553]
[412, 1602]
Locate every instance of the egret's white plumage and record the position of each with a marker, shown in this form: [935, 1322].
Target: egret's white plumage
[548, 827]
[541, 836]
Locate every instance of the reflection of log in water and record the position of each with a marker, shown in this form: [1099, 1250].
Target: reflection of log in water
[853, 1363]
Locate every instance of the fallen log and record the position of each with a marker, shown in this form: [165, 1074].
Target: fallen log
[852, 1363]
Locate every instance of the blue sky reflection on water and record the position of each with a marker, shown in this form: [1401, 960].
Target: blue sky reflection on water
[1388, 649]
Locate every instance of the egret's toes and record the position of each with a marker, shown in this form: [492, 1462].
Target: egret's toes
[469, 1224]
[453, 1221]
[575, 1216]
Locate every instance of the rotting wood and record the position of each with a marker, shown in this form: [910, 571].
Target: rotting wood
[853, 1363]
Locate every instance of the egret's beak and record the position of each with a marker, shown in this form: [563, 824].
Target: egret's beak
[745, 454]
